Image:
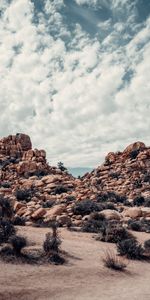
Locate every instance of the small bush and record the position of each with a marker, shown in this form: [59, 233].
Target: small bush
[147, 177]
[39, 173]
[56, 259]
[147, 245]
[138, 201]
[134, 154]
[24, 194]
[128, 203]
[20, 221]
[147, 202]
[130, 248]
[142, 225]
[6, 207]
[85, 207]
[18, 243]
[109, 205]
[52, 241]
[61, 166]
[6, 230]
[6, 251]
[70, 199]
[95, 224]
[111, 196]
[48, 204]
[6, 185]
[137, 183]
[114, 232]
[60, 189]
[114, 262]
[114, 175]
[135, 225]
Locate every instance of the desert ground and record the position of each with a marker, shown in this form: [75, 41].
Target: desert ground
[84, 276]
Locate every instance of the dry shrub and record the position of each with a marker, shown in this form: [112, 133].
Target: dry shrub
[130, 248]
[112, 261]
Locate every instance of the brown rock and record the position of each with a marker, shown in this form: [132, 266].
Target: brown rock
[134, 147]
[110, 214]
[133, 212]
[18, 205]
[63, 220]
[55, 211]
[145, 211]
[40, 212]
[24, 141]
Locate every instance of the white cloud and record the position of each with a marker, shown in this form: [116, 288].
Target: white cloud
[67, 89]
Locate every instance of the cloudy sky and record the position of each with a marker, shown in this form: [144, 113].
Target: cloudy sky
[75, 75]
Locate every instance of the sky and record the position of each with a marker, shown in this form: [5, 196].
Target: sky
[75, 76]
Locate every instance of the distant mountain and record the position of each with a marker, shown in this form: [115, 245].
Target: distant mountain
[79, 171]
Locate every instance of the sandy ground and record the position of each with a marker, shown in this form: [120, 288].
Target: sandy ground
[83, 277]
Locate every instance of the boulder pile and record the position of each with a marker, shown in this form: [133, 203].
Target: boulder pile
[42, 193]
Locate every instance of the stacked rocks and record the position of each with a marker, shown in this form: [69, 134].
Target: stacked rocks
[42, 192]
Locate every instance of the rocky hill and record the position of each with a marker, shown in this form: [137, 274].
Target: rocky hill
[41, 193]
[126, 173]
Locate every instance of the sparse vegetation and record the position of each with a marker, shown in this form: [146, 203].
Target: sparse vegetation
[86, 207]
[95, 224]
[135, 225]
[61, 166]
[134, 154]
[6, 210]
[48, 204]
[19, 221]
[51, 246]
[7, 229]
[24, 194]
[114, 232]
[138, 201]
[111, 197]
[112, 261]
[18, 243]
[130, 248]
[60, 189]
[52, 241]
[142, 225]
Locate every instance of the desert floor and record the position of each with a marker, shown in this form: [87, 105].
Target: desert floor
[83, 277]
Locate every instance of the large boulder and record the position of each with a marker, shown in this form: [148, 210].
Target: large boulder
[24, 141]
[137, 146]
[145, 212]
[133, 212]
[55, 211]
[39, 213]
[63, 220]
[110, 214]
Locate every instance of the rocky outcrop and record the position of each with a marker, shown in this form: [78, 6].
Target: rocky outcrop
[126, 173]
[39, 191]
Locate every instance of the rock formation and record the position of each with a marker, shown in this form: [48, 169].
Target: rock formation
[40, 192]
